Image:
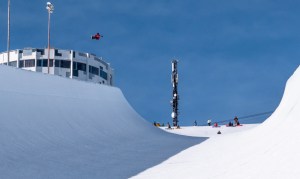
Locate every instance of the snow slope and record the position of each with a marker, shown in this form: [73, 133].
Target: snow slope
[53, 127]
[270, 150]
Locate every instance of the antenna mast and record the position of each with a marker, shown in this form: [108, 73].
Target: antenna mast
[174, 101]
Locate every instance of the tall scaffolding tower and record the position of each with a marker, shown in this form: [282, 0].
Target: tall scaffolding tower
[175, 98]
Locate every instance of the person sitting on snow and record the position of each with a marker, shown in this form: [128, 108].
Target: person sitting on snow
[216, 125]
[230, 124]
[236, 121]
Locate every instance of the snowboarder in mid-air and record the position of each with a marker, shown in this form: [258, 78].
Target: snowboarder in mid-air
[97, 36]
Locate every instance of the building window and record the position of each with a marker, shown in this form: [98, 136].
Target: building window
[103, 74]
[21, 64]
[51, 63]
[42, 51]
[28, 63]
[74, 65]
[81, 66]
[94, 70]
[57, 63]
[75, 73]
[39, 63]
[45, 63]
[65, 64]
[82, 54]
[62, 63]
[27, 52]
[57, 54]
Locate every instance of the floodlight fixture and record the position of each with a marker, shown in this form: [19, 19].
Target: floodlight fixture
[50, 7]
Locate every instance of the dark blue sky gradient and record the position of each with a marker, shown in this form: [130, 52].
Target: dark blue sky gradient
[234, 56]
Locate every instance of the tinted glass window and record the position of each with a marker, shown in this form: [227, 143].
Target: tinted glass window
[65, 64]
[39, 63]
[45, 62]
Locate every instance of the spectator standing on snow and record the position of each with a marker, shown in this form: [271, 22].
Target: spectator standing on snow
[208, 122]
[169, 126]
[195, 123]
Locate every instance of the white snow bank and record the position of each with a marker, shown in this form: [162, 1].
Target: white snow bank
[270, 150]
[53, 127]
[208, 131]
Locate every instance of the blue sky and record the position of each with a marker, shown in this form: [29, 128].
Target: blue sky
[234, 56]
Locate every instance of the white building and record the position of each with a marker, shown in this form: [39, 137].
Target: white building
[66, 63]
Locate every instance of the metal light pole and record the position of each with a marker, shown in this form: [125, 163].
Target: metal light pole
[8, 31]
[50, 9]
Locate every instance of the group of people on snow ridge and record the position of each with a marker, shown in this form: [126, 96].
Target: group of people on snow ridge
[157, 124]
[230, 124]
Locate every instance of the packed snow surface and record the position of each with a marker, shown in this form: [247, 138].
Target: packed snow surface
[53, 127]
[209, 131]
[270, 150]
